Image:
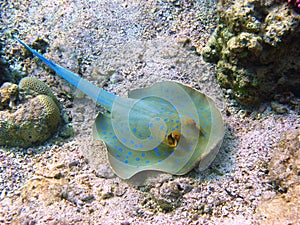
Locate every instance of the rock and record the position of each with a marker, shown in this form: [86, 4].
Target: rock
[256, 50]
[168, 194]
[8, 95]
[284, 170]
[279, 108]
[104, 171]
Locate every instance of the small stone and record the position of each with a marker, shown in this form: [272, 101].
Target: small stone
[104, 171]
[279, 108]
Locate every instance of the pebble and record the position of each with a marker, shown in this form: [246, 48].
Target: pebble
[104, 171]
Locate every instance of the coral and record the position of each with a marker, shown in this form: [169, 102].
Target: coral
[33, 120]
[37, 86]
[256, 50]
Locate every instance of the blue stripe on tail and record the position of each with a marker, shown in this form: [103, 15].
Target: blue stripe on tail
[103, 97]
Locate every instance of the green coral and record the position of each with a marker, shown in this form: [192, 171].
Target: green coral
[37, 86]
[256, 50]
[34, 120]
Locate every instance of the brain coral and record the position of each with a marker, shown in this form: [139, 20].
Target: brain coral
[33, 120]
[38, 86]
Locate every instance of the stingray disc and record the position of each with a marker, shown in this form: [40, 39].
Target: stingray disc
[167, 127]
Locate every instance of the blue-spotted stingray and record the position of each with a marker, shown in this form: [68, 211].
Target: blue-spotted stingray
[167, 127]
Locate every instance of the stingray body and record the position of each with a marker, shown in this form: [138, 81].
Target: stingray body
[167, 127]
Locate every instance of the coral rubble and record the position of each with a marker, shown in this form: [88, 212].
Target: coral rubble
[256, 49]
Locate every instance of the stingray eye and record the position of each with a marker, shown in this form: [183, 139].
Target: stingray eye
[173, 138]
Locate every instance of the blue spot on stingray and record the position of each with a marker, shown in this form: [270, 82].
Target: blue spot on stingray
[166, 119]
[143, 154]
[126, 161]
[177, 121]
[166, 153]
[177, 160]
[120, 149]
[162, 127]
[147, 161]
[115, 137]
[141, 146]
[137, 159]
[150, 137]
[159, 161]
[158, 119]
[118, 156]
[129, 153]
[104, 132]
[157, 154]
[131, 142]
[156, 149]
[134, 130]
[140, 135]
[124, 140]
[150, 125]
[188, 130]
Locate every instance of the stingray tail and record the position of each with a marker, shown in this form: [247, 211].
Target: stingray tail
[103, 97]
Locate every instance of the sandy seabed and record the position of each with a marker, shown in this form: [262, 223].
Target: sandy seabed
[123, 45]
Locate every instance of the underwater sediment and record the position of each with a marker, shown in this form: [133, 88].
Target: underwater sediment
[256, 49]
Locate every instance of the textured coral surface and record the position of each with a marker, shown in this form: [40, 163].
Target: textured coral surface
[256, 50]
[27, 118]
